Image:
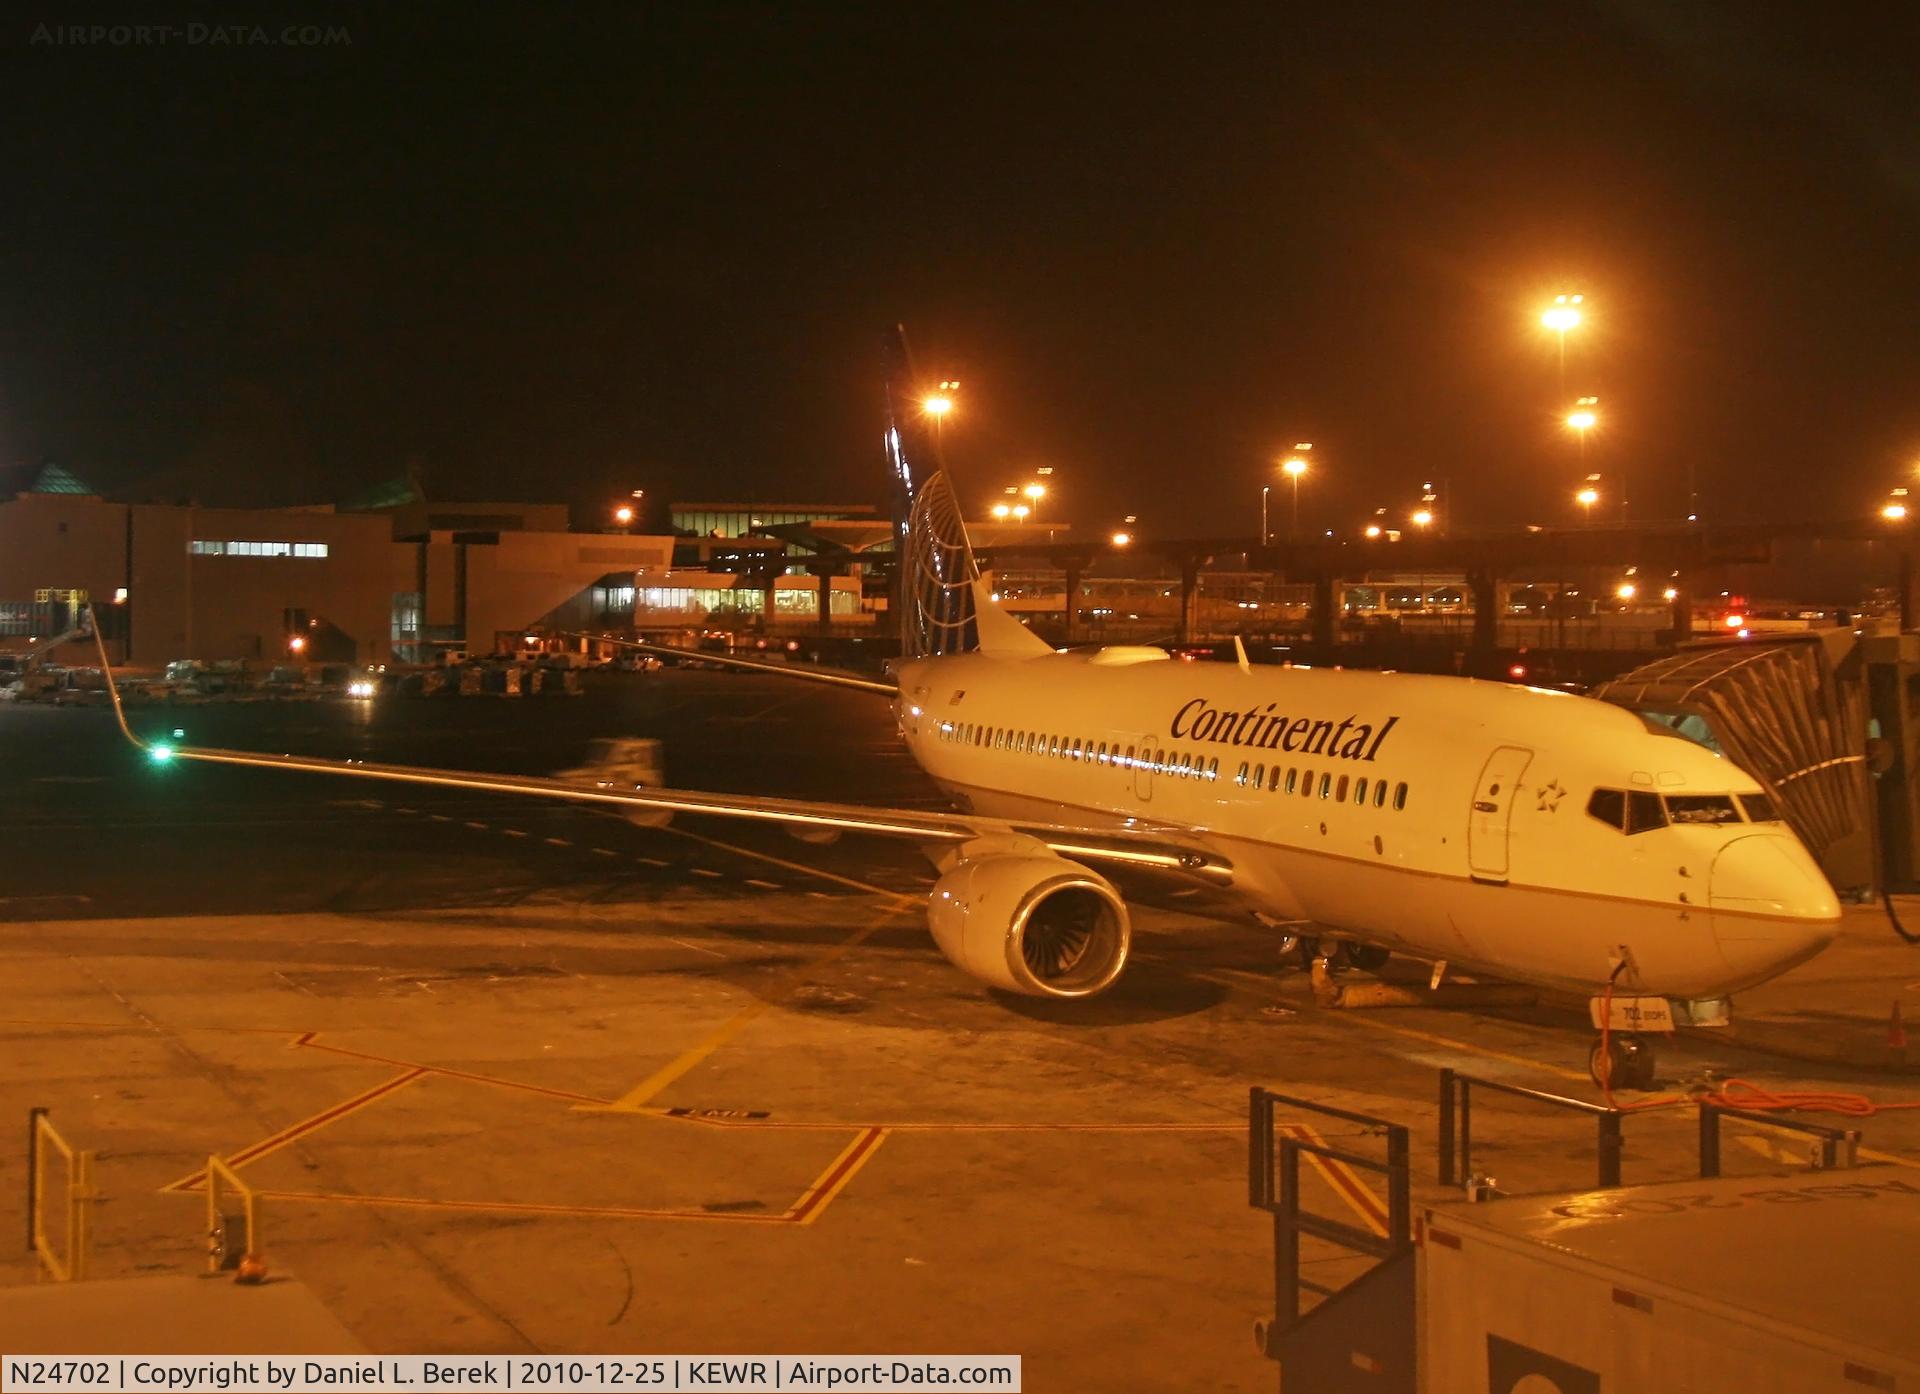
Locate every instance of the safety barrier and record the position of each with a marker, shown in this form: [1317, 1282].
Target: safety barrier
[43, 1141]
[1368, 1321]
[1456, 1125]
[1839, 1147]
[232, 1235]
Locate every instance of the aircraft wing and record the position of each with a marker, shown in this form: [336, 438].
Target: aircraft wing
[802, 672]
[1170, 849]
[1162, 848]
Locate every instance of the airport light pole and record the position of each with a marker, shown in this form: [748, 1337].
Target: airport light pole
[937, 404]
[1295, 466]
[1562, 315]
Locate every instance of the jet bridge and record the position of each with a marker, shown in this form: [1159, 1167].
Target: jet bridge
[1792, 712]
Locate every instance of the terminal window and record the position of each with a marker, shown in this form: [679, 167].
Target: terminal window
[201, 548]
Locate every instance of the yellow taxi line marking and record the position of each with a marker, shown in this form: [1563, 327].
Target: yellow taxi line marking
[697, 948]
[406, 810]
[513, 1207]
[556, 842]
[763, 885]
[513, 832]
[295, 1131]
[705, 871]
[602, 852]
[311, 1041]
[801, 867]
[1359, 1018]
[835, 1179]
[470, 824]
[440, 817]
[1345, 1181]
[1875, 1155]
[653, 861]
[118, 1026]
[653, 1084]
[942, 1127]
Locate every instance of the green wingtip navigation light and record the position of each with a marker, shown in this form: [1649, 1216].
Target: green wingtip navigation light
[160, 753]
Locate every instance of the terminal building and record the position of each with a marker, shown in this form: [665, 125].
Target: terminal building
[402, 578]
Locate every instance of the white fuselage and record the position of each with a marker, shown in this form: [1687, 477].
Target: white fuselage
[1446, 818]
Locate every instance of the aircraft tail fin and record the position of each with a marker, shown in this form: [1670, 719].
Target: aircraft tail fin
[945, 605]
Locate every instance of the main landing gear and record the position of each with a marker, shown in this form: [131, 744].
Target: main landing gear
[1621, 1060]
[1300, 951]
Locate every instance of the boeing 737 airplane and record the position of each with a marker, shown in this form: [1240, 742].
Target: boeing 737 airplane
[1528, 835]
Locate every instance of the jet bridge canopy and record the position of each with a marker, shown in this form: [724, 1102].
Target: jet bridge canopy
[1790, 712]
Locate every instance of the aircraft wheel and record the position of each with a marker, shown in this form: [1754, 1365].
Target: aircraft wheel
[1298, 950]
[1626, 1061]
[1366, 957]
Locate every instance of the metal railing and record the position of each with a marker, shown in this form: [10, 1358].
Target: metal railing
[1838, 1147]
[1273, 1176]
[232, 1235]
[1456, 1125]
[43, 1142]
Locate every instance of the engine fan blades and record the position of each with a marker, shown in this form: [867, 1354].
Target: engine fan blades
[1053, 947]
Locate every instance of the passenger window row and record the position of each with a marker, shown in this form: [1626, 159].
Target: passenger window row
[1173, 764]
[1641, 810]
[1361, 791]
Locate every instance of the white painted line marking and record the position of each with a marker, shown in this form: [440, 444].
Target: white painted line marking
[819, 895]
[697, 948]
[602, 852]
[653, 861]
[763, 885]
[439, 817]
[406, 810]
[481, 826]
[513, 832]
[556, 842]
[703, 871]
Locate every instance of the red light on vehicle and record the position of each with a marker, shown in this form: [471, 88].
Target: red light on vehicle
[1735, 621]
[1518, 670]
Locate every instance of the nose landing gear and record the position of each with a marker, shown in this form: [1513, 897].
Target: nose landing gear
[1300, 951]
[1621, 1060]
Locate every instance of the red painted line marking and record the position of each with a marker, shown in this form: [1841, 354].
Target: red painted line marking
[837, 1175]
[311, 1043]
[518, 1207]
[299, 1130]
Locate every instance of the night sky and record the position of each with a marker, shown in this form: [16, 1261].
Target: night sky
[566, 252]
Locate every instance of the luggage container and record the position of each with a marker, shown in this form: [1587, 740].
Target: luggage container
[1765, 1285]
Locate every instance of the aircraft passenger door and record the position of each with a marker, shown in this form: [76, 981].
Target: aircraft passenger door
[1143, 762]
[1492, 812]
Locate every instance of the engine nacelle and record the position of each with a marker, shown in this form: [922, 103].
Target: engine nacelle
[1030, 921]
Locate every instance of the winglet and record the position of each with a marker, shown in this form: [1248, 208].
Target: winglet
[113, 688]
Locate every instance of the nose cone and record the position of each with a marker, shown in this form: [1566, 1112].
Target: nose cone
[1772, 906]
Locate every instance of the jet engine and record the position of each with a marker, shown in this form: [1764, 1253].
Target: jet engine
[1019, 917]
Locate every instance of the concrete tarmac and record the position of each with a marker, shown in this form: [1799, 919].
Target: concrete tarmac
[516, 1077]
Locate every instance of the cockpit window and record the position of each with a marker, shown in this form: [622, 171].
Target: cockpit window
[1760, 808]
[1609, 806]
[1644, 813]
[1702, 808]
